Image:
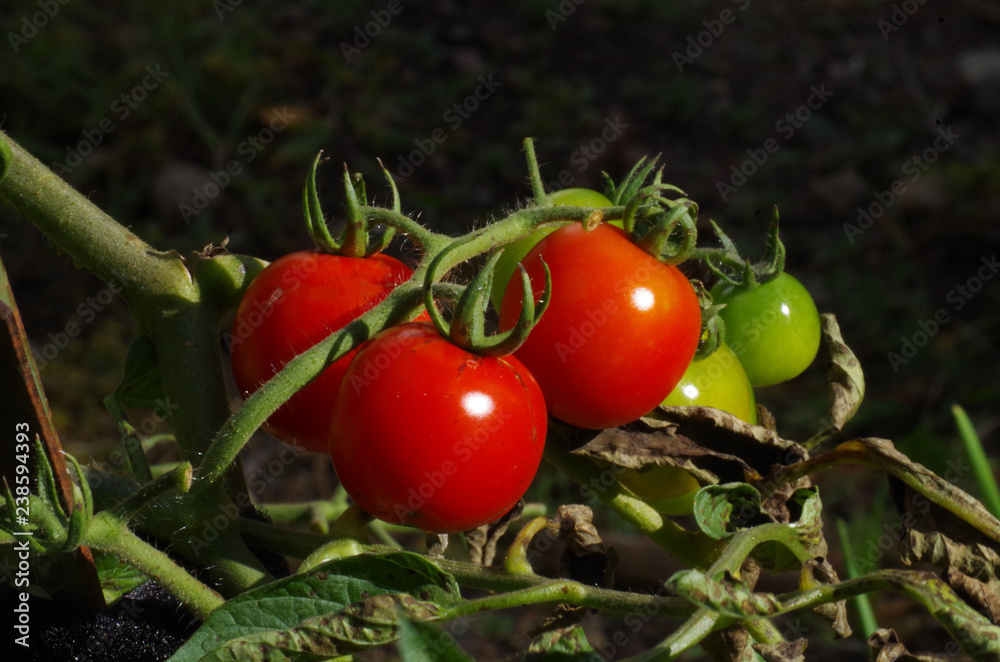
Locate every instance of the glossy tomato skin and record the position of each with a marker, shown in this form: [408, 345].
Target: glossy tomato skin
[297, 301]
[719, 381]
[773, 328]
[426, 434]
[515, 252]
[619, 332]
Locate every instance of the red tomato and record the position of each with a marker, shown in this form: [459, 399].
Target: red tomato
[619, 332]
[298, 300]
[429, 435]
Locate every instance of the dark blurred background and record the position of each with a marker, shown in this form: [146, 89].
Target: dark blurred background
[145, 106]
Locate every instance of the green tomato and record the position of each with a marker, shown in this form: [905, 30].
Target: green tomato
[669, 490]
[515, 252]
[773, 328]
[719, 381]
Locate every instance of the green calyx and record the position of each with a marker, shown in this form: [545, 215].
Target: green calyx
[357, 239]
[730, 267]
[468, 326]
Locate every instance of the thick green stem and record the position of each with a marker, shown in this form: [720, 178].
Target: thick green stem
[79, 228]
[178, 479]
[108, 534]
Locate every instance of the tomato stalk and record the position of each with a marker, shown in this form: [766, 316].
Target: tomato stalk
[727, 264]
[167, 303]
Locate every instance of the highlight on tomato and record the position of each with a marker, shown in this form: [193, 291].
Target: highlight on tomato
[619, 332]
[427, 434]
[718, 381]
[773, 327]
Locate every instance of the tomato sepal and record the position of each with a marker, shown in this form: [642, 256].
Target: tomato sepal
[357, 239]
[467, 328]
[727, 264]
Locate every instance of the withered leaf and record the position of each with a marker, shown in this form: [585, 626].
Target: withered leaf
[483, 540]
[882, 455]
[561, 644]
[846, 382]
[563, 618]
[968, 558]
[886, 643]
[585, 558]
[785, 651]
[731, 644]
[712, 445]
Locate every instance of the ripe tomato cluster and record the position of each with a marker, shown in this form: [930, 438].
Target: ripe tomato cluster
[425, 433]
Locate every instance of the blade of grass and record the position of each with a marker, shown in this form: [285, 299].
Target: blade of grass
[980, 463]
[861, 602]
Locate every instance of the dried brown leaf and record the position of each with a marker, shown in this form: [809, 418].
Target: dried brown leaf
[585, 558]
[483, 541]
[785, 651]
[846, 382]
[731, 644]
[712, 445]
[886, 643]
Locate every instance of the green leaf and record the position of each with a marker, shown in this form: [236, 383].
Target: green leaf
[715, 506]
[117, 578]
[367, 624]
[142, 385]
[305, 610]
[563, 645]
[420, 641]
